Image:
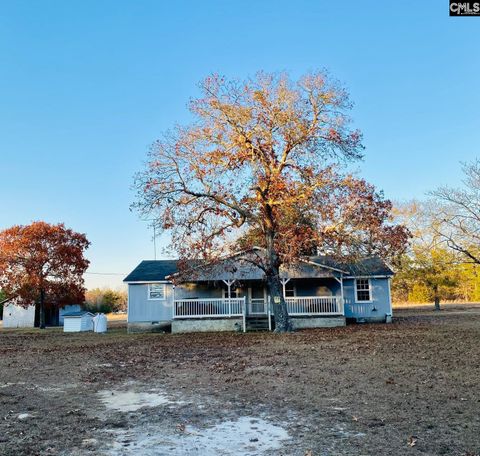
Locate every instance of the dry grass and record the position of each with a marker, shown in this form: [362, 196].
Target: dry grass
[359, 390]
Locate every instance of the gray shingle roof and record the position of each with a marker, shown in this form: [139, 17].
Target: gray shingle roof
[374, 266]
[151, 270]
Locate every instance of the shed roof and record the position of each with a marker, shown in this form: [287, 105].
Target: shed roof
[159, 270]
[80, 313]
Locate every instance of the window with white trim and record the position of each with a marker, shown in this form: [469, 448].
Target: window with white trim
[156, 291]
[289, 290]
[363, 290]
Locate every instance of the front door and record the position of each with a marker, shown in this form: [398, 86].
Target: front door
[256, 300]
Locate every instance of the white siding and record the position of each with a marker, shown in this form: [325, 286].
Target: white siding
[77, 324]
[18, 317]
[87, 323]
[142, 309]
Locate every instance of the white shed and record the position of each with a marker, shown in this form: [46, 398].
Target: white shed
[77, 321]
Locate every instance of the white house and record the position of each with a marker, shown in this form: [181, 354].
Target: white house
[15, 316]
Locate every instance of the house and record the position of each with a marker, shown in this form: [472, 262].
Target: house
[15, 316]
[231, 294]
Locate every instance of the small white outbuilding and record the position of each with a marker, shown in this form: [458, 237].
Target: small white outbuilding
[77, 321]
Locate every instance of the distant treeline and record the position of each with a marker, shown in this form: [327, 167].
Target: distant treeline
[460, 283]
[105, 300]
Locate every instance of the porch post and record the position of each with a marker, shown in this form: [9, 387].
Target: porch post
[269, 312]
[174, 305]
[244, 315]
[342, 302]
[229, 283]
[284, 282]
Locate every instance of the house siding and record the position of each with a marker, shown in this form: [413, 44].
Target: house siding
[323, 287]
[199, 290]
[141, 309]
[377, 309]
[307, 287]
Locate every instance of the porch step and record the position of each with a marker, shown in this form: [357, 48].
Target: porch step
[257, 324]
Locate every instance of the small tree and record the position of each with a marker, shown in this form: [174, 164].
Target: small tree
[261, 155]
[42, 263]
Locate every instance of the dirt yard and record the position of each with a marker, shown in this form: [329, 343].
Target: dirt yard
[409, 388]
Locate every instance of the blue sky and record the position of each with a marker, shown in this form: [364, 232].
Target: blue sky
[85, 87]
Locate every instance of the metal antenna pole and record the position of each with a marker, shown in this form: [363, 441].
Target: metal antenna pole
[154, 242]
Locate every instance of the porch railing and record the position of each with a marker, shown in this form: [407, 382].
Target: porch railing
[315, 305]
[208, 308]
[236, 307]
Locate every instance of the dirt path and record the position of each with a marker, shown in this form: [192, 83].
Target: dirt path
[360, 390]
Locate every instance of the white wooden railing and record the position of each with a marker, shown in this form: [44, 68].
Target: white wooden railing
[236, 307]
[208, 308]
[315, 305]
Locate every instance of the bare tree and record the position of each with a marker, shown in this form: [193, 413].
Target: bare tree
[456, 214]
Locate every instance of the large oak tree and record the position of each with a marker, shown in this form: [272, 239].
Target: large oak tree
[264, 162]
[42, 263]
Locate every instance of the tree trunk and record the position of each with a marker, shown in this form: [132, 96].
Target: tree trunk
[277, 302]
[274, 287]
[42, 309]
[436, 299]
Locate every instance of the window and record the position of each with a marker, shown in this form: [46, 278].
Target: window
[289, 290]
[156, 291]
[363, 289]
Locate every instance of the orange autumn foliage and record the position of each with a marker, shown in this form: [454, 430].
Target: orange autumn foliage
[42, 263]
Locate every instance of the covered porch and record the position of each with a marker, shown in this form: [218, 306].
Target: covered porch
[246, 304]
[235, 289]
[249, 301]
